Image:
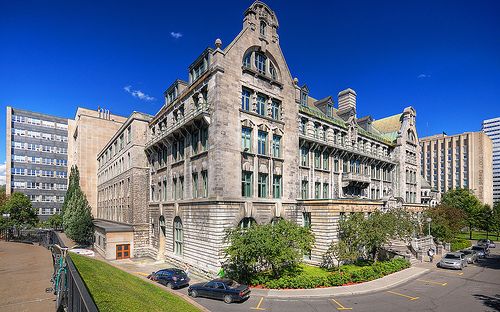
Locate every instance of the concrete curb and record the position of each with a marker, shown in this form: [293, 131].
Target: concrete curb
[377, 285]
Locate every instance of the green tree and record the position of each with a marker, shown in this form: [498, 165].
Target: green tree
[495, 219]
[446, 222]
[20, 210]
[78, 219]
[53, 222]
[275, 248]
[464, 199]
[73, 184]
[339, 253]
[484, 219]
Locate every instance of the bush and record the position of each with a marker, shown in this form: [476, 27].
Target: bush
[346, 274]
[459, 244]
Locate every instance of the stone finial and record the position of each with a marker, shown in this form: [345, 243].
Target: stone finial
[218, 43]
[295, 81]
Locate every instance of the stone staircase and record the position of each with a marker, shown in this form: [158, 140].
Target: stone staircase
[401, 248]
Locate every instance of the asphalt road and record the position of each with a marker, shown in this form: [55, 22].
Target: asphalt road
[476, 288]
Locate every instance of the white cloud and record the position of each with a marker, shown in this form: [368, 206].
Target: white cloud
[138, 94]
[175, 35]
[423, 76]
[2, 174]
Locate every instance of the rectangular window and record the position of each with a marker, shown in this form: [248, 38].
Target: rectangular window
[262, 142]
[336, 165]
[246, 184]
[261, 105]
[164, 188]
[194, 142]
[204, 139]
[204, 176]
[277, 188]
[262, 185]
[181, 187]
[304, 156]
[195, 185]
[181, 149]
[305, 190]
[260, 63]
[317, 156]
[276, 110]
[326, 159]
[317, 190]
[245, 100]
[326, 190]
[276, 145]
[246, 139]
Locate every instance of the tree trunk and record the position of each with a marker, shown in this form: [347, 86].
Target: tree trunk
[487, 235]
[470, 231]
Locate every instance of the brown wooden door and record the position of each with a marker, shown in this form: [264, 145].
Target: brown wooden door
[122, 251]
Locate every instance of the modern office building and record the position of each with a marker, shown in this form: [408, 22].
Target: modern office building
[88, 133]
[492, 128]
[459, 161]
[241, 142]
[36, 158]
[122, 223]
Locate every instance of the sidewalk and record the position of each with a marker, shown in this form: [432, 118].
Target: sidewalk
[383, 283]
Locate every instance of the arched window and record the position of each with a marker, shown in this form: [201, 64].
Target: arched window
[262, 28]
[178, 237]
[272, 71]
[246, 60]
[260, 62]
[161, 223]
[247, 222]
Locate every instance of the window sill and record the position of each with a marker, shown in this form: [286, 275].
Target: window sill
[199, 155]
[256, 73]
[177, 163]
[262, 116]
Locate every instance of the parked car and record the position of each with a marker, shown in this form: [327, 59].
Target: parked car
[482, 251]
[470, 255]
[453, 260]
[175, 278]
[220, 288]
[486, 243]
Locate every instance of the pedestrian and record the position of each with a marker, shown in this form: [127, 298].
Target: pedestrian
[431, 254]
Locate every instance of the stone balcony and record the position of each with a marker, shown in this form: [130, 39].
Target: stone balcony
[200, 112]
[351, 177]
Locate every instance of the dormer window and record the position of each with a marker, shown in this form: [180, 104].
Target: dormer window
[262, 28]
[260, 62]
[172, 95]
[329, 109]
[303, 98]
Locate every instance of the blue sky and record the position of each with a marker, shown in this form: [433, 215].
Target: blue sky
[441, 57]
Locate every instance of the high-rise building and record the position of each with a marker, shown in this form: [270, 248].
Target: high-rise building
[241, 142]
[459, 161]
[492, 128]
[36, 158]
[88, 133]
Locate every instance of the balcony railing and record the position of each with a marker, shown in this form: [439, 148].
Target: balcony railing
[201, 109]
[355, 177]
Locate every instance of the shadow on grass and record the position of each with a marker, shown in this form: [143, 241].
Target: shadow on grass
[489, 301]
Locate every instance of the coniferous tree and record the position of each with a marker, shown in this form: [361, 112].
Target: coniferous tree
[78, 219]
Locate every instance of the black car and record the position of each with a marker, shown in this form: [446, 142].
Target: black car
[220, 288]
[175, 278]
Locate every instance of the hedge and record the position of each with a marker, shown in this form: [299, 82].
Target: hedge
[346, 275]
[459, 244]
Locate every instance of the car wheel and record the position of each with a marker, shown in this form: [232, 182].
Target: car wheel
[462, 266]
[194, 293]
[172, 286]
[228, 299]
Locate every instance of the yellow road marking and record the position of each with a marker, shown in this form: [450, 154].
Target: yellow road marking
[140, 273]
[432, 282]
[341, 307]
[449, 272]
[402, 295]
[258, 305]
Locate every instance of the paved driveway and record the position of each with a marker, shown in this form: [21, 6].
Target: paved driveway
[25, 272]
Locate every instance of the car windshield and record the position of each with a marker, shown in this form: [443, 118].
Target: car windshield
[452, 256]
[467, 252]
[477, 248]
[232, 284]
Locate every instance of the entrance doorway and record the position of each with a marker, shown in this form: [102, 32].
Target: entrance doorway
[122, 251]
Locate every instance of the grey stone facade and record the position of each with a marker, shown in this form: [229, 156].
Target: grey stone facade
[258, 144]
[37, 160]
[122, 186]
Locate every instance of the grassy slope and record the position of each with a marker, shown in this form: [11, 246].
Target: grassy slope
[477, 235]
[116, 290]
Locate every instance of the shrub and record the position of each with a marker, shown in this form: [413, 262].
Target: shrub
[458, 244]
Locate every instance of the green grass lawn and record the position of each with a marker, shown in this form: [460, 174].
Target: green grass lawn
[477, 235]
[116, 290]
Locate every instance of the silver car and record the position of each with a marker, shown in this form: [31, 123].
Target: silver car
[453, 260]
[470, 255]
[482, 251]
[486, 243]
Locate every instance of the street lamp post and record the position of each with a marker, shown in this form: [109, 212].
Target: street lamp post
[429, 223]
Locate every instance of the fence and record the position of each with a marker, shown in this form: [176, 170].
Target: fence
[78, 298]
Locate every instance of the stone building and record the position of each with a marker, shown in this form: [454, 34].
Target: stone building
[36, 158]
[492, 128]
[88, 133]
[121, 222]
[459, 161]
[241, 142]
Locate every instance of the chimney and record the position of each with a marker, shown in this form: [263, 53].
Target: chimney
[347, 99]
